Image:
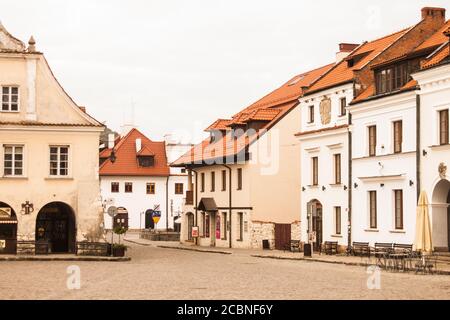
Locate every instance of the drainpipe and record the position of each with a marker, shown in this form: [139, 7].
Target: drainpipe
[196, 203]
[230, 205]
[350, 179]
[167, 204]
[418, 146]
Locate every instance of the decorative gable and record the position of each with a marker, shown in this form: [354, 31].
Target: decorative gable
[8, 42]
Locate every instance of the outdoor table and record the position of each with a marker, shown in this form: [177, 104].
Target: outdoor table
[398, 259]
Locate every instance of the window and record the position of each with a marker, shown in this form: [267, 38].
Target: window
[114, 187]
[13, 161]
[337, 219]
[224, 180]
[443, 127]
[179, 188]
[315, 171]
[372, 141]
[59, 161]
[183, 170]
[239, 179]
[10, 99]
[337, 169]
[398, 209]
[394, 77]
[207, 226]
[240, 226]
[146, 161]
[311, 114]
[202, 182]
[203, 220]
[150, 189]
[373, 209]
[128, 187]
[398, 136]
[224, 226]
[213, 181]
[343, 111]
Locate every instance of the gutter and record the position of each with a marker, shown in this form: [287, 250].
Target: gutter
[418, 145]
[230, 204]
[196, 202]
[350, 181]
[167, 203]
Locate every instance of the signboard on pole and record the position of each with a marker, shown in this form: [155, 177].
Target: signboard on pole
[156, 215]
[195, 232]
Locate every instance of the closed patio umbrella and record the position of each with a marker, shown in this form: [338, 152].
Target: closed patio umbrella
[423, 241]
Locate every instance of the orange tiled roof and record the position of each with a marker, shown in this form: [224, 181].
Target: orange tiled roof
[126, 163]
[270, 108]
[436, 39]
[342, 73]
[370, 92]
[220, 124]
[437, 58]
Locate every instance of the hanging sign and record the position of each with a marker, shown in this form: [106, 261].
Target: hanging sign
[195, 232]
[156, 215]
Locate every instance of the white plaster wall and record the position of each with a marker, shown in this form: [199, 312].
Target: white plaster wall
[382, 113]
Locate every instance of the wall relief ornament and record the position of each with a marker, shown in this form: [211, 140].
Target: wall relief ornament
[325, 111]
[442, 170]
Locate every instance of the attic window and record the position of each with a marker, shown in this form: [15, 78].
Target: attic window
[146, 161]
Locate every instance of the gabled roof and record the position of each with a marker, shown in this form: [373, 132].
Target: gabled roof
[126, 163]
[270, 109]
[343, 73]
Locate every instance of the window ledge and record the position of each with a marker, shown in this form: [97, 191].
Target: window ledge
[398, 231]
[372, 230]
[7, 111]
[440, 146]
[313, 186]
[337, 236]
[58, 178]
[336, 185]
[14, 178]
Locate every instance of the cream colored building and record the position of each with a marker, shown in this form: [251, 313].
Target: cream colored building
[49, 181]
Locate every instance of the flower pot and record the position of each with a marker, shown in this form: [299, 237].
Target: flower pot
[119, 252]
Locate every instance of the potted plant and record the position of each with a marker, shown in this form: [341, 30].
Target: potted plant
[118, 248]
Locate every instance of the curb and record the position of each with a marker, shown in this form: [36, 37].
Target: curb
[138, 243]
[84, 259]
[196, 250]
[353, 264]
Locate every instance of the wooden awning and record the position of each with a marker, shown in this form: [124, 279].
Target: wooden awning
[208, 205]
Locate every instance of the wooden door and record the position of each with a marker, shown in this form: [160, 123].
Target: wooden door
[282, 236]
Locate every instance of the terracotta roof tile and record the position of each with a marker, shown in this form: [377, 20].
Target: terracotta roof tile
[126, 163]
[145, 151]
[436, 39]
[370, 92]
[220, 124]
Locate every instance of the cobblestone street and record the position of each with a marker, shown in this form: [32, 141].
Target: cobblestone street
[156, 273]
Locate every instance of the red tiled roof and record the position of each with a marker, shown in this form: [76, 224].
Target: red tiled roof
[271, 108]
[437, 58]
[436, 39]
[342, 73]
[126, 163]
[220, 124]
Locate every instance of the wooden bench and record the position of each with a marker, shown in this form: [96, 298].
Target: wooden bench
[403, 247]
[330, 247]
[361, 249]
[96, 249]
[382, 249]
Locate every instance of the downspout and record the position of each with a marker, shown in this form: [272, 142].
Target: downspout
[167, 203]
[418, 145]
[350, 179]
[230, 205]
[196, 202]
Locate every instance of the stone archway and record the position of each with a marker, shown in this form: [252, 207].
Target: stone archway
[55, 223]
[8, 229]
[441, 215]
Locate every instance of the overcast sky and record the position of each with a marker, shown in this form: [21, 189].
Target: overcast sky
[183, 64]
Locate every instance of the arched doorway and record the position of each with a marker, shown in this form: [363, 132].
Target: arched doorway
[315, 223]
[55, 223]
[190, 224]
[441, 215]
[121, 219]
[8, 229]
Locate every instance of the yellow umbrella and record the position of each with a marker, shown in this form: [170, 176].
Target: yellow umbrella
[424, 241]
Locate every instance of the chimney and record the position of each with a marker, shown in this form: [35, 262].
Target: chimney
[433, 13]
[138, 145]
[344, 50]
[111, 140]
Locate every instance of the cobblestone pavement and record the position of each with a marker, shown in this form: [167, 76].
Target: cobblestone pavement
[157, 273]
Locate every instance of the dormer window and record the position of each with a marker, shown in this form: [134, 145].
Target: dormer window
[394, 77]
[146, 161]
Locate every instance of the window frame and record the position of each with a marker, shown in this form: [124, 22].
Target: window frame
[179, 185]
[224, 180]
[113, 189]
[128, 184]
[399, 222]
[338, 220]
[239, 179]
[13, 161]
[311, 114]
[398, 136]
[59, 161]
[372, 138]
[241, 226]
[337, 160]
[315, 171]
[10, 95]
[150, 188]
[373, 209]
[202, 182]
[443, 127]
[343, 106]
[213, 181]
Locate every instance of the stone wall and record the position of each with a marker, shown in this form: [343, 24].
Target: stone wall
[262, 231]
